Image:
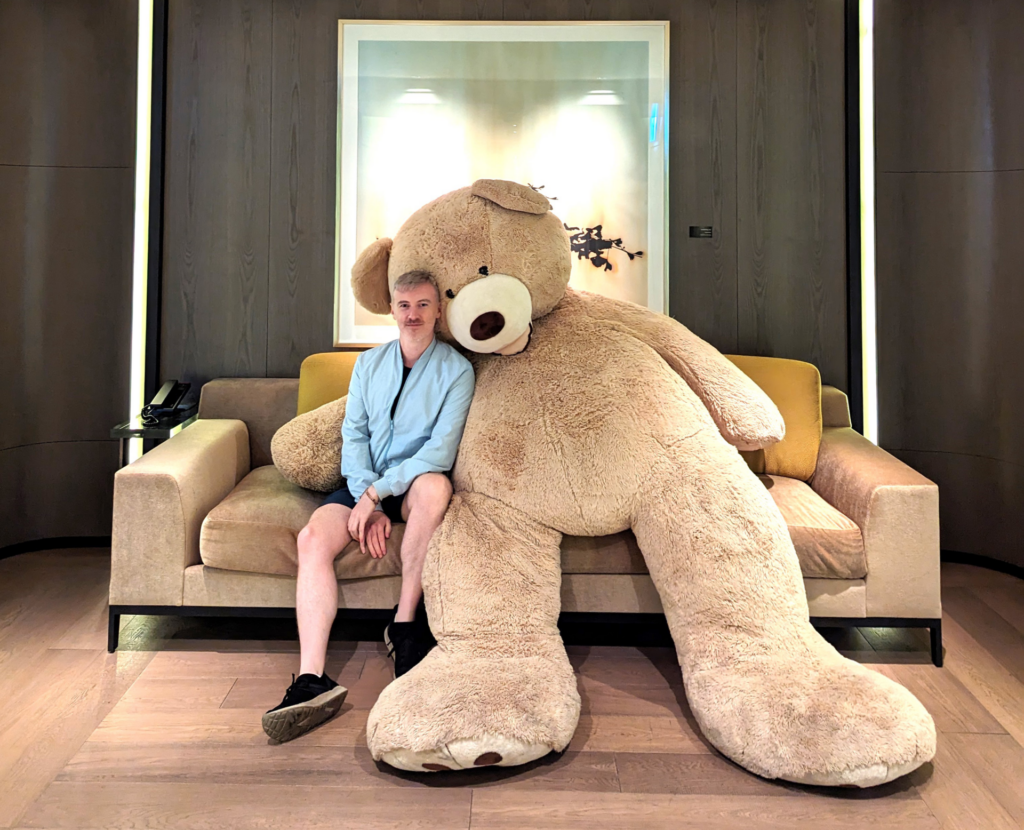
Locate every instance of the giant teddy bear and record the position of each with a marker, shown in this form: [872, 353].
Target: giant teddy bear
[592, 416]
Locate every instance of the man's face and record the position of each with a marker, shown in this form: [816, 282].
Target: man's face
[416, 309]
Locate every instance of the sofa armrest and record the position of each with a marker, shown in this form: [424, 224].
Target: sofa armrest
[160, 502]
[897, 511]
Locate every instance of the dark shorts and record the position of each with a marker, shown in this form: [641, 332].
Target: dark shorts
[392, 505]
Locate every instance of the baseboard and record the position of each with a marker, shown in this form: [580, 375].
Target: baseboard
[55, 543]
[980, 561]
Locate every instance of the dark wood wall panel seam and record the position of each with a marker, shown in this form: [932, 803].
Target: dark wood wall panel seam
[958, 454]
[71, 166]
[67, 441]
[995, 170]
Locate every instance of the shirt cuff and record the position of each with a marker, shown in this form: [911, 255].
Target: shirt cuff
[381, 486]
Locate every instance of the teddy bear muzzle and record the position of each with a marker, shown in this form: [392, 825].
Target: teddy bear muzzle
[492, 315]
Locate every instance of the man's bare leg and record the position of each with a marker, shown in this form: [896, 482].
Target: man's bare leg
[316, 592]
[423, 510]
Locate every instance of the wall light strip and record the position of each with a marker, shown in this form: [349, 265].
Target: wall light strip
[867, 219]
[140, 250]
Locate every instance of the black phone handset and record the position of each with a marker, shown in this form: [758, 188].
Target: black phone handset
[164, 402]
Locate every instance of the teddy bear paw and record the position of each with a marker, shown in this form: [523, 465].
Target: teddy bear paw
[464, 712]
[826, 722]
[467, 753]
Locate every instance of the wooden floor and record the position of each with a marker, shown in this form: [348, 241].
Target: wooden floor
[166, 732]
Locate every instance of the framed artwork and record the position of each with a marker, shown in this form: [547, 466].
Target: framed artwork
[576, 110]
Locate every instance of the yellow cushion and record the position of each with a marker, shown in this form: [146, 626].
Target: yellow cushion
[324, 378]
[795, 388]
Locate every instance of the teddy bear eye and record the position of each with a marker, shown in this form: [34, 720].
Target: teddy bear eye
[482, 270]
[450, 294]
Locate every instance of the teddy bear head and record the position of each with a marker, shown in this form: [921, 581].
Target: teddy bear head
[500, 257]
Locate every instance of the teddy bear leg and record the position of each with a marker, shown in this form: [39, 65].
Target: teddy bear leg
[498, 688]
[764, 686]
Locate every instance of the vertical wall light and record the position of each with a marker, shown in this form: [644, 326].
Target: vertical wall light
[140, 247]
[867, 219]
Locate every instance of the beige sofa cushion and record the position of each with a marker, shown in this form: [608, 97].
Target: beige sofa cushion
[255, 527]
[828, 544]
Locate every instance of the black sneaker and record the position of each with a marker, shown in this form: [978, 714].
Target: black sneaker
[309, 701]
[406, 645]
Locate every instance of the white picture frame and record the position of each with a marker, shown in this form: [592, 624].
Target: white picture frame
[630, 56]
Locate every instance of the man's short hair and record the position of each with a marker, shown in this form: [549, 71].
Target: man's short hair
[410, 279]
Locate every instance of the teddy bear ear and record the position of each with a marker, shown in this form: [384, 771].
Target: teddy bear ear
[511, 195]
[370, 277]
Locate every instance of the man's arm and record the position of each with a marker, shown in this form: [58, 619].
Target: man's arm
[356, 466]
[437, 455]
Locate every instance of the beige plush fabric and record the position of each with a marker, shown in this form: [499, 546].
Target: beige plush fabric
[160, 501]
[612, 418]
[264, 404]
[828, 545]
[896, 508]
[255, 529]
[307, 450]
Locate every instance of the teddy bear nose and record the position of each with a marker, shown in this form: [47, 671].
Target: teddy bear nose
[487, 325]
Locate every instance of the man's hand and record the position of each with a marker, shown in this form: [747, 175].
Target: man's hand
[357, 520]
[378, 530]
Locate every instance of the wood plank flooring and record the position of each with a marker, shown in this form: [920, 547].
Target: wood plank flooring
[166, 732]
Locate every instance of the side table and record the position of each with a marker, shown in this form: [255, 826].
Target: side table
[161, 431]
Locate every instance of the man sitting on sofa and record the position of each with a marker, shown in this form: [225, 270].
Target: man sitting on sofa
[406, 410]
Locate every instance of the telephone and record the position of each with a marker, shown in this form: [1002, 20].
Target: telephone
[164, 402]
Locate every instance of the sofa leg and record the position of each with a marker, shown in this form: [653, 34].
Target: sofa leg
[113, 630]
[936, 632]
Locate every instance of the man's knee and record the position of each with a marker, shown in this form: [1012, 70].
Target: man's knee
[315, 542]
[430, 492]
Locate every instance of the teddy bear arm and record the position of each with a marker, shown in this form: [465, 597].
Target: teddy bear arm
[307, 449]
[744, 414]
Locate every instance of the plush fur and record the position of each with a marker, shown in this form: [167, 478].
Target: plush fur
[612, 417]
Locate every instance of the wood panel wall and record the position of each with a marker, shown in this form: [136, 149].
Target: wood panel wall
[950, 140]
[67, 132]
[756, 143]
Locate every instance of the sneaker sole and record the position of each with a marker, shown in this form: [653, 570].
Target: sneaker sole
[285, 724]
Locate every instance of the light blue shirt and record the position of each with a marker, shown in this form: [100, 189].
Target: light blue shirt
[425, 433]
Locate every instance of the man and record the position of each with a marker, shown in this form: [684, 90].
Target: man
[406, 410]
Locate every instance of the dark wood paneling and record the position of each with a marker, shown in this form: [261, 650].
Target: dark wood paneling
[302, 185]
[207, 335]
[950, 258]
[950, 305]
[981, 501]
[949, 80]
[65, 303]
[57, 489]
[702, 142]
[214, 294]
[791, 224]
[950, 302]
[68, 91]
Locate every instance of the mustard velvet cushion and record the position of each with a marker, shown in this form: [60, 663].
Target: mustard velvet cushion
[324, 378]
[795, 388]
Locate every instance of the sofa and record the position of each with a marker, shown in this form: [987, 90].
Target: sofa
[205, 524]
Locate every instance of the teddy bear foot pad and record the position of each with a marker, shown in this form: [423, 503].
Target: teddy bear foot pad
[470, 753]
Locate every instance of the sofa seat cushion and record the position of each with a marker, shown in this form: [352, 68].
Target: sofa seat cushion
[254, 529]
[828, 544]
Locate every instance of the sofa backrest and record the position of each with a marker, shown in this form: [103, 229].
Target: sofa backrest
[265, 404]
[795, 388]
